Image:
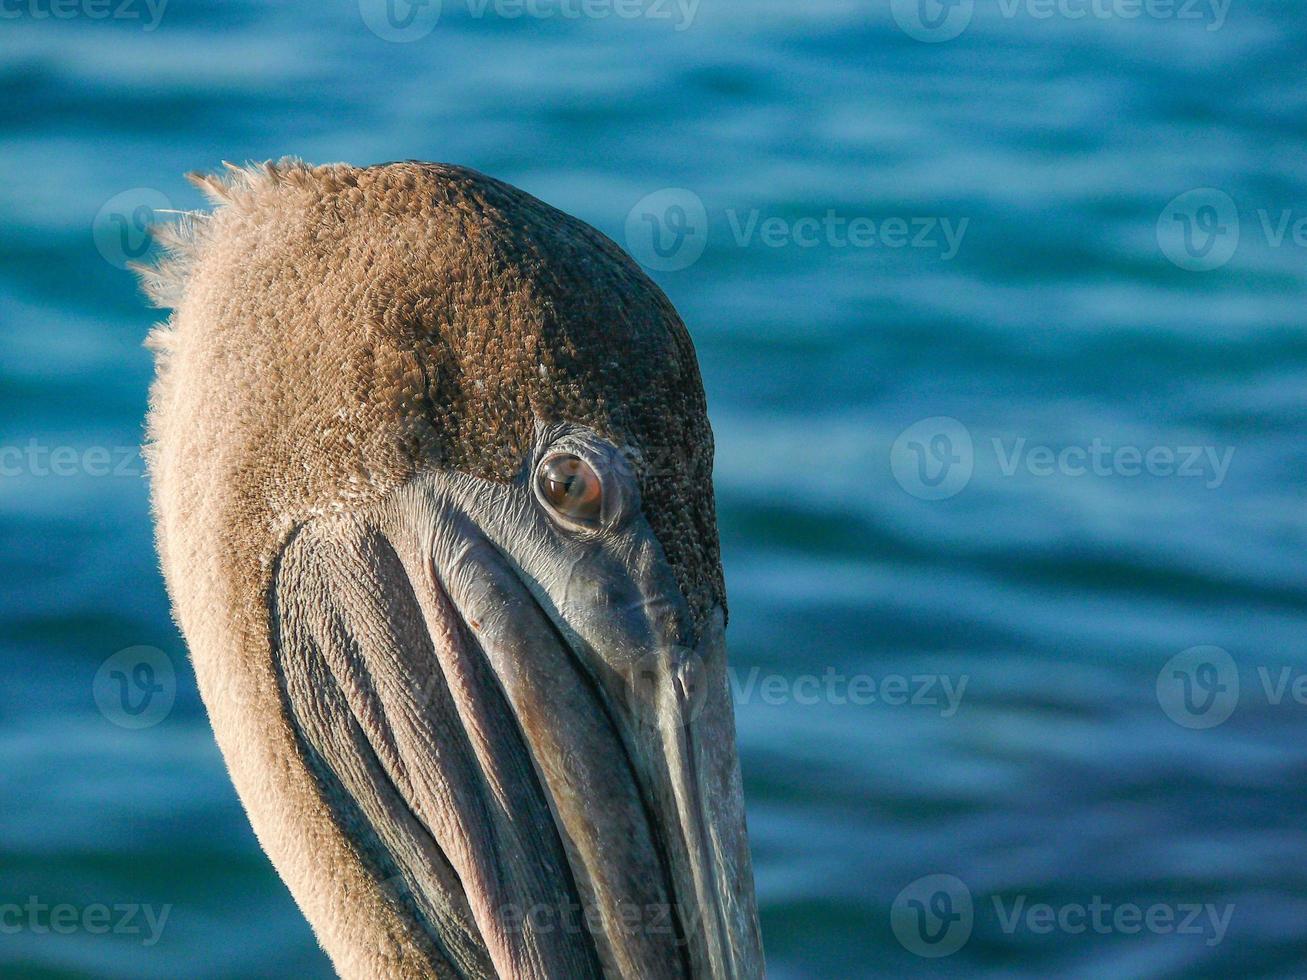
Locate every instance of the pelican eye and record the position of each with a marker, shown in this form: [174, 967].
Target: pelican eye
[571, 487]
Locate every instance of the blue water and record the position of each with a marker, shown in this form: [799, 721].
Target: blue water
[1050, 594]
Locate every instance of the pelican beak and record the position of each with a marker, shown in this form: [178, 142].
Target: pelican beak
[556, 726]
[679, 722]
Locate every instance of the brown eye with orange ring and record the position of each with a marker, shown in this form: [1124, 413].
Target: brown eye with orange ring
[571, 486]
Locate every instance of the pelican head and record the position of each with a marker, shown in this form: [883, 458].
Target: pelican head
[431, 475]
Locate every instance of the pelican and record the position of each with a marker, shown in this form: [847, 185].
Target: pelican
[431, 479]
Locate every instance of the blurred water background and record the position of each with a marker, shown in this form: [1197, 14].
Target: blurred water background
[942, 455]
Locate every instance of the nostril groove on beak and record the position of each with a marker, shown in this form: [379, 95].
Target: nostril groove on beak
[682, 677]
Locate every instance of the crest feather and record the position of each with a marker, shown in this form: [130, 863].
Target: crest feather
[182, 240]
